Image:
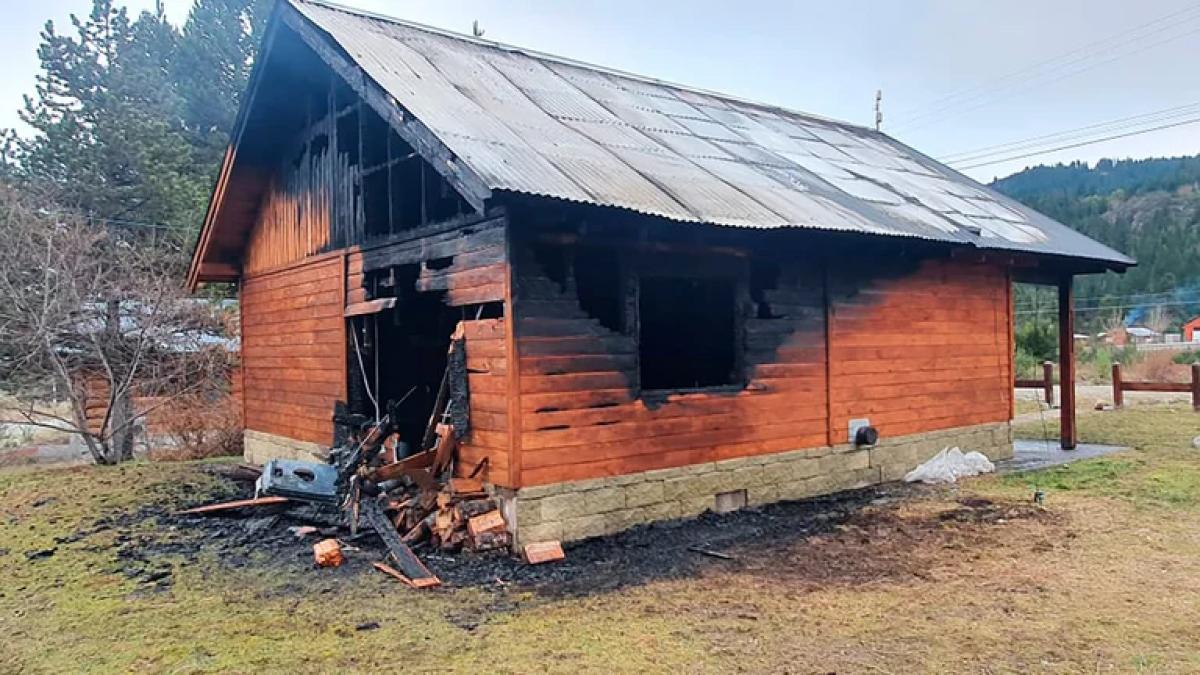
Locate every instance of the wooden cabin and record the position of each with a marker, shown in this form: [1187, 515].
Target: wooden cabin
[672, 300]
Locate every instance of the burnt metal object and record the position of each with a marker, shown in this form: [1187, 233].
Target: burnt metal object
[302, 481]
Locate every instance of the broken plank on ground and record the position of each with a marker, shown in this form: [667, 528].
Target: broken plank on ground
[234, 505]
[409, 563]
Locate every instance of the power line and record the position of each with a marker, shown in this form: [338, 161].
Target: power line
[987, 86]
[1079, 144]
[1064, 70]
[1071, 134]
[1134, 299]
[1110, 307]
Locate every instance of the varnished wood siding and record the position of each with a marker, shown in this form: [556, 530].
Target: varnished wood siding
[923, 351]
[293, 349]
[487, 373]
[581, 418]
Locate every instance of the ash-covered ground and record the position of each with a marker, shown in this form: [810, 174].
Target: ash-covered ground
[824, 537]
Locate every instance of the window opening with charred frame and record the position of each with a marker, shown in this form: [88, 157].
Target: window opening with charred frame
[687, 337]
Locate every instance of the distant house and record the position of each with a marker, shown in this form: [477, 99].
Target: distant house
[1191, 330]
[1142, 335]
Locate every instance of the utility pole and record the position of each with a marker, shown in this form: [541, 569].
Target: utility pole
[878, 109]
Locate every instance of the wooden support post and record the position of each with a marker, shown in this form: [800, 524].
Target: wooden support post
[1118, 391]
[1048, 382]
[1066, 368]
[1196, 387]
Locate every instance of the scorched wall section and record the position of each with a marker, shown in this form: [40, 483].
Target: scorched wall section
[916, 348]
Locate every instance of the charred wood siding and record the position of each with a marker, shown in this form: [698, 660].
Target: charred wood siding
[924, 351]
[582, 416]
[921, 350]
[487, 369]
[294, 349]
[310, 200]
[464, 260]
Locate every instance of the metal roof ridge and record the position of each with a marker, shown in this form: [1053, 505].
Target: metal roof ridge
[565, 60]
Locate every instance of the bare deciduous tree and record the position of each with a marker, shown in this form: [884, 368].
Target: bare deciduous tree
[87, 308]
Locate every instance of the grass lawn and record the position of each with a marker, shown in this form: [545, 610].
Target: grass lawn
[1105, 577]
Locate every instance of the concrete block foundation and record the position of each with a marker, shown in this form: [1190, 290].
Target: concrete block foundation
[258, 447]
[581, 509]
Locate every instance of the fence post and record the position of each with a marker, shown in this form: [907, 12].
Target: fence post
[1048, 382]
[1196, 387]
[1118, 392]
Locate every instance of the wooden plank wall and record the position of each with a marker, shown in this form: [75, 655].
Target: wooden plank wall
[294, 349]
[469, 263]
[308, 205]
[488, 377]
[924, 351]
[581, 418]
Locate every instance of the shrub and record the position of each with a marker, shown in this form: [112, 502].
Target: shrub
[1156, 367]
[197, 428]
[1025, 363]
[1187, 358]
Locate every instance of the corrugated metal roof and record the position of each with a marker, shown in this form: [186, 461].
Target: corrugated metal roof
[542, 125]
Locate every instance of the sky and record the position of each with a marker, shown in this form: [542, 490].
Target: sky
[1013, 70]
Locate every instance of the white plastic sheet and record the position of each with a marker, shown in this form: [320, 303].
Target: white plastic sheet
[949, 465]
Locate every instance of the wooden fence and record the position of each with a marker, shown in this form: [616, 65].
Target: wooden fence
[1120, 386]
[1045, 383]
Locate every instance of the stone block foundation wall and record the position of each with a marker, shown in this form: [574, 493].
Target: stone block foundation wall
[588, 508]
[258, 447]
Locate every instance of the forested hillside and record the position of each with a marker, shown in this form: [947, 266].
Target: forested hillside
[1149, 209]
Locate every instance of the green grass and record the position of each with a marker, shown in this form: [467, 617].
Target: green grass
[1162, 468]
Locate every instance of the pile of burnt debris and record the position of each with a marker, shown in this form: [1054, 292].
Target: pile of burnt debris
[409, 502]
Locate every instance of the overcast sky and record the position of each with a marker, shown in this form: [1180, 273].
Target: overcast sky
[829, 58]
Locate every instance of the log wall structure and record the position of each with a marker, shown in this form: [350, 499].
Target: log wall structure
[914, 351]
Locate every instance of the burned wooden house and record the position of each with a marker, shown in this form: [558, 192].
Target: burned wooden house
[672, 300]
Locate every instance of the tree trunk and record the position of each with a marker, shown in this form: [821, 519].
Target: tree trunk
[121, 422]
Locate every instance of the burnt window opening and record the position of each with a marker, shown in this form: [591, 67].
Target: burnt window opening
[599, 287]
[319, 145]
[442, 202]
[404, 177]
[344, 97]
[376, 207]
[688, 333]
[483, 310]
[554, 263]
[439, 263]
[347, 137]
[393, 281]
[374, 138]
[764, 276]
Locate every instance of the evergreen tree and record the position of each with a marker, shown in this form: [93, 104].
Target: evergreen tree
[215, 57]
[106, 116]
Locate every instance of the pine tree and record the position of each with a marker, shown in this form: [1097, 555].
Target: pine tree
[106, 115]
[215, 57]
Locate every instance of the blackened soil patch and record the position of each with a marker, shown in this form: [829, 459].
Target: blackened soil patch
[850, 537]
